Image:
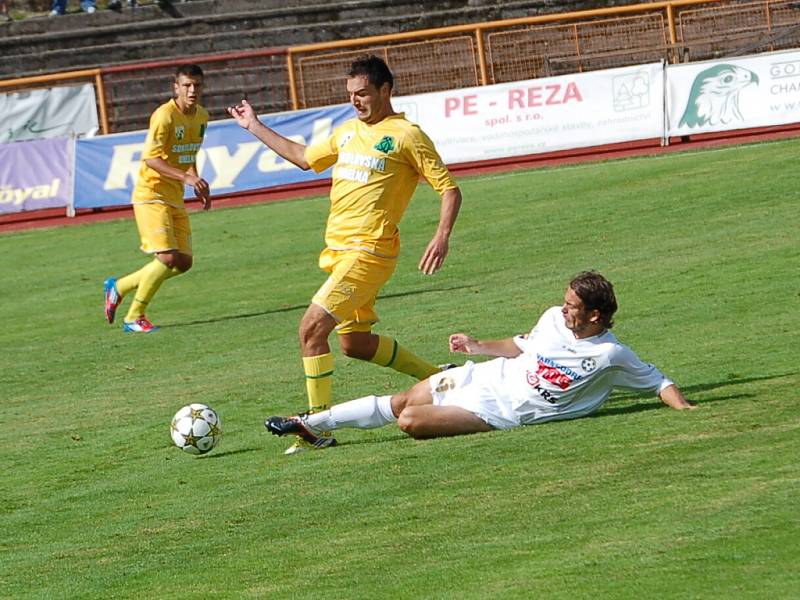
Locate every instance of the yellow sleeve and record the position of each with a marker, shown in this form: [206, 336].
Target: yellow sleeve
[322, 154]
[157, 136]
[428, 163]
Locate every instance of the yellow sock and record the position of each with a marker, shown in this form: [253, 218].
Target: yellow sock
[319, 381]
[148, 279]
[125, 285]
[393, 355]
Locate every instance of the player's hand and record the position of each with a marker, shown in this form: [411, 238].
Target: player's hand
[244, 114]
[203, 191]
[205, 198]
[434, 256]
[461, 342]
[201, 188]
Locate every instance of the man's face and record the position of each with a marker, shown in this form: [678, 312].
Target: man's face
[188, 91]
[371, 103]
[577, 318]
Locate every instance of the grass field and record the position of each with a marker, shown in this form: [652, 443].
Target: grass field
[638, 501]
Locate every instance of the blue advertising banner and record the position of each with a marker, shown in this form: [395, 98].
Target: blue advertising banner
[34, 175]
[231, 159]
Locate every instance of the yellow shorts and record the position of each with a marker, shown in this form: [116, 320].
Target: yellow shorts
[349, 294]
[163, 228]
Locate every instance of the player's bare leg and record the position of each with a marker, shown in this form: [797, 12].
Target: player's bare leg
[359, 344]
[432, 421]
[315, 327]
[413, 410]
[420, 418]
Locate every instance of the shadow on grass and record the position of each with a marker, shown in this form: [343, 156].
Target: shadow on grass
[299, 307]
[688, 391]
[383, 440]
[228, 453]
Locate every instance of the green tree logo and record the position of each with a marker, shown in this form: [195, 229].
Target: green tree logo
[386, 144]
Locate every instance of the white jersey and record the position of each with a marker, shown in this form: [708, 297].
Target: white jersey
[557, 376]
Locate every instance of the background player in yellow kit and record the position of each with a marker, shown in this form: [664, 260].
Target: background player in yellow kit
[176, 132]
[378, 157]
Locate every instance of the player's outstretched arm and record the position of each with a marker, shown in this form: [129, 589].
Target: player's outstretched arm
[461, 342]
[288, 149]
[672, 396]
[437, 249]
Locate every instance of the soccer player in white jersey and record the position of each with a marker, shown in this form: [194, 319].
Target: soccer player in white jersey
[565, 368]
[378, 158]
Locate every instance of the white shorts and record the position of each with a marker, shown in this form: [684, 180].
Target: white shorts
[473, 388]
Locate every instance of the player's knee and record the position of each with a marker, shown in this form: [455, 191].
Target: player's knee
[184, 265]
[182, 262]
[312, 331]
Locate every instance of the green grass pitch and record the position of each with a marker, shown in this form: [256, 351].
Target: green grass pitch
[638, 501]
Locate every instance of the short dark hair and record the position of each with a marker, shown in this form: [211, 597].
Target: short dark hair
[596, 293]
[374, 68]
[189, 70]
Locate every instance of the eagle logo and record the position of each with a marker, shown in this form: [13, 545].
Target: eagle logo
[714, 99]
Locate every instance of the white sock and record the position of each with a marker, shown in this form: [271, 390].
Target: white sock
[362, 413]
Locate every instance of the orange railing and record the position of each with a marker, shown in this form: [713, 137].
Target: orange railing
[452, 57]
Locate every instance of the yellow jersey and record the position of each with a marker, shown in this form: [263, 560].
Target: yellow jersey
[377, 170]
[176, 138]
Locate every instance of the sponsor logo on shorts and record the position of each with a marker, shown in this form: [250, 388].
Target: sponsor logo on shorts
[445, 384]
[345, 288]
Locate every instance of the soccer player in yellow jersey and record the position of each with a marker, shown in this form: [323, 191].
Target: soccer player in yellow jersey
[378, 158]
[176, 132]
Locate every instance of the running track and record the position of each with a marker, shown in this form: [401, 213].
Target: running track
[57, 218]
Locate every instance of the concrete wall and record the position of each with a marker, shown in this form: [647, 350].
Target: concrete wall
[170, 30]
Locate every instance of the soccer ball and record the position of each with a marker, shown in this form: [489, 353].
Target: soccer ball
[196, 428]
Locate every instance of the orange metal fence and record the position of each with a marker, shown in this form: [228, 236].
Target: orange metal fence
[544, 45]
[450, 58]
[134, 91]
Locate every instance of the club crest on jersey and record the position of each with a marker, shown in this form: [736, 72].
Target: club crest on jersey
[386, 144]
[588, 365]
[179, 132]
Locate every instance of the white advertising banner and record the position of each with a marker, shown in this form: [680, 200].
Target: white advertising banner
[733, 93]
[542, 115]
[49, 113]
